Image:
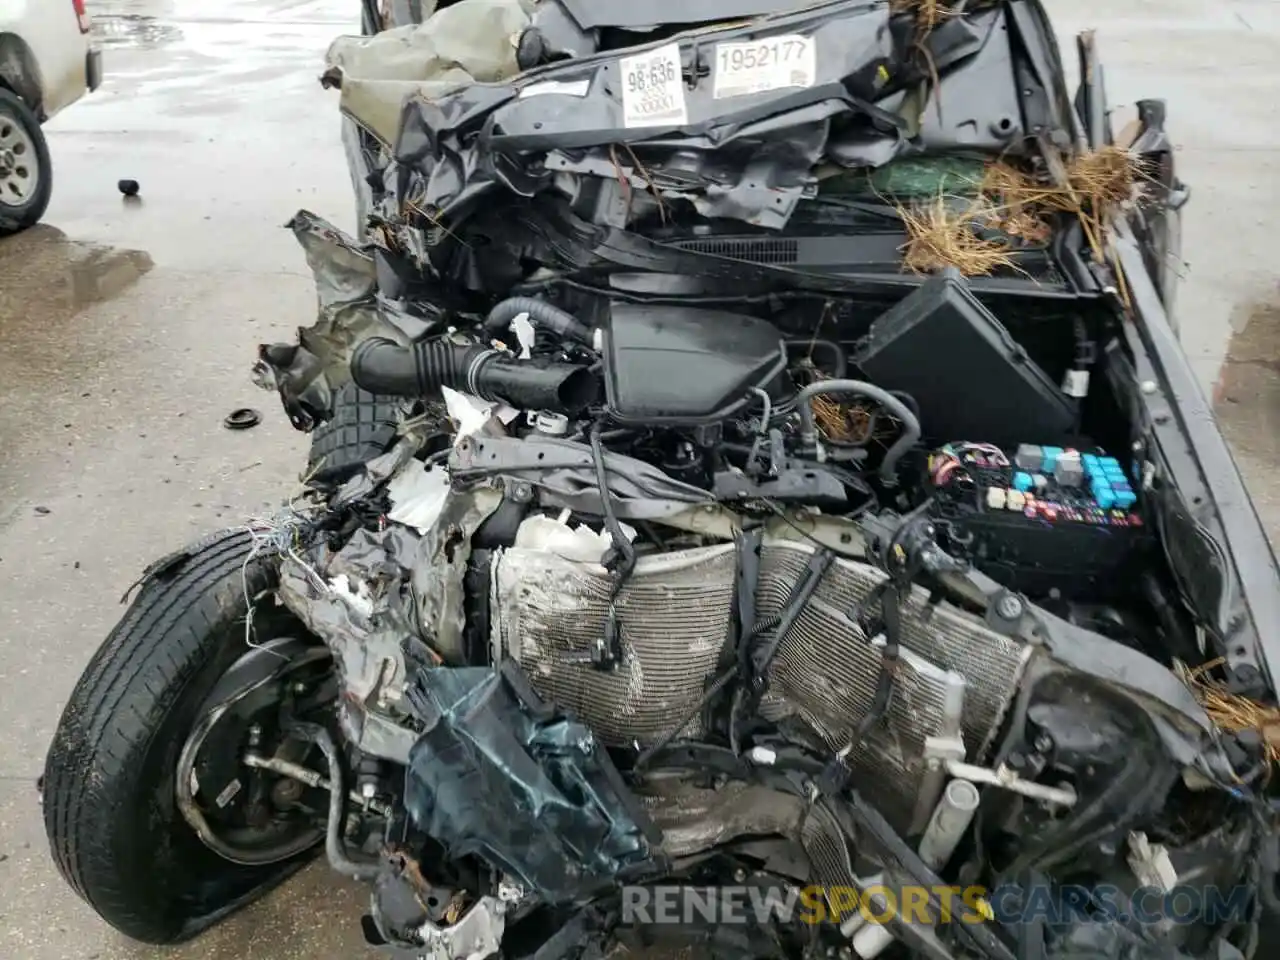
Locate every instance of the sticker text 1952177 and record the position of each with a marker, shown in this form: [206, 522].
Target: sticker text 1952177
[771, 63]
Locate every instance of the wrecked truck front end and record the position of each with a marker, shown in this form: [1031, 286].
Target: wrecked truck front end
[769, 627]
[800, 536]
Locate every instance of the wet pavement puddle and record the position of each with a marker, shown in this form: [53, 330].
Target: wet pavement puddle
[133, 30]
[46, 276]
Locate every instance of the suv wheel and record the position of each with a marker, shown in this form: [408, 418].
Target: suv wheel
[26, 174]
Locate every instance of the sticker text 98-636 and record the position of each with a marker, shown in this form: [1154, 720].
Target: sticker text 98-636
[653, 88]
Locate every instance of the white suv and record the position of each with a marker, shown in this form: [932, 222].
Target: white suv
[47, 62]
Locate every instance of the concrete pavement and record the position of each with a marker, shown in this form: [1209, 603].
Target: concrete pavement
[127, 328]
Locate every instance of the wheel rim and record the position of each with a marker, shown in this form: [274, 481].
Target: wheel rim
[19, 164]
[235, 820]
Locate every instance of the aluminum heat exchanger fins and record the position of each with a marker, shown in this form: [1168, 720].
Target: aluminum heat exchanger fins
[674, 611]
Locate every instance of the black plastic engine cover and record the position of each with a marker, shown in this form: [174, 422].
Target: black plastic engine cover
[683, 364]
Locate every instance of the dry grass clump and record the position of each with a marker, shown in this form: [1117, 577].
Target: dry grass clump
[1099, 182]
[928, 13]
[941, 235]
[1108, 178]
[1232, 712]
[844, 424]
[1093, 185]
[852, 423]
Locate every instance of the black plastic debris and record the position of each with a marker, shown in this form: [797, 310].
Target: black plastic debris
[242, 419]
[502, 775]
[129, 188]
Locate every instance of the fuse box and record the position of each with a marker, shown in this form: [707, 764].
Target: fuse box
[1039, 518]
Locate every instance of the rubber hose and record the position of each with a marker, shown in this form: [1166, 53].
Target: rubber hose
[541, 314]
[335, 850]
[910, 424]
[383, 366]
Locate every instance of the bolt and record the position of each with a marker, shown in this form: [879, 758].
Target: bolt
[1044, 743]
[255, 736]
[739, 875]
[1148, 386]
[1009, 607]
[286, 792]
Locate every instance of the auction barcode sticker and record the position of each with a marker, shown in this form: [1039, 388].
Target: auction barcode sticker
[773, 63]
[653, 89]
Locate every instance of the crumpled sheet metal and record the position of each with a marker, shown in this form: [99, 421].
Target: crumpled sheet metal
[307, 373]
[362, 635]
[441, 568]
[871, 101]
[472, 136]
[353, 601]
[469, 42]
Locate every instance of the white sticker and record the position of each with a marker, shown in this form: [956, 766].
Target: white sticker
[771, 63]
[1076, 383]
[568, 88]
[653, 89]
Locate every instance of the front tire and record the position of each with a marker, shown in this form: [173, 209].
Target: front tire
[110, 810]
[26, 170]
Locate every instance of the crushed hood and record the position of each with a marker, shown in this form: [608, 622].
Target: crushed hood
[741, 120]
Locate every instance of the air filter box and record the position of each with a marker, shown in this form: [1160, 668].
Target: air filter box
[968, 376]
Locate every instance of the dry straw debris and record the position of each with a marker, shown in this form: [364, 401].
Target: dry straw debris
[928, 13]
[1094, 186]
[1098, 182]
[1231, 712]
[942, 234]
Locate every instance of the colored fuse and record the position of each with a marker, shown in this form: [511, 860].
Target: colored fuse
[1015, 500]
[1050, 455]
[1105, 497]
[1029, 457]
[995, 498]
[1125, 499]
[1022, 481]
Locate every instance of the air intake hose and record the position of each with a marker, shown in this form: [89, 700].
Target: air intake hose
[384, 366]
[542, 315]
